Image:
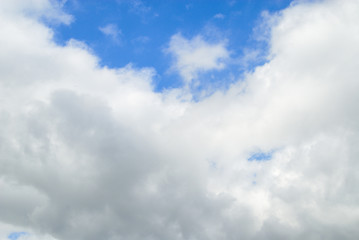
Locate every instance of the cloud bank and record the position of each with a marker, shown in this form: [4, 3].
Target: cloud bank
[89, 152]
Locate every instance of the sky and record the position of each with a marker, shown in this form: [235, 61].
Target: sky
[179, 120]
[138, 32]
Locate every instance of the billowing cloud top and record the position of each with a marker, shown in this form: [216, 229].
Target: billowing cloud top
[90, 152]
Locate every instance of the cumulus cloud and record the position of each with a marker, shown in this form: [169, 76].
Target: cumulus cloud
[41, 9]
[195, 56]
[88, 152]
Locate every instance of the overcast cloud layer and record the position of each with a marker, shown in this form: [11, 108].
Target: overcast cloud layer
[88, 152]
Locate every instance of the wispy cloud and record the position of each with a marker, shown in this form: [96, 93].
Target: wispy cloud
[219, 16]
[112, 31]
[136, 6]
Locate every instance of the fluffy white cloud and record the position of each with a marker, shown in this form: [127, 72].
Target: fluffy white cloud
[88, 152]
[195, 56]
[48, 10]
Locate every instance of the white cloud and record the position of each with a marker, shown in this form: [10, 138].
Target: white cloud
[194, 56]
[94, 153]
[112, 31]
[219, 16]
[49, 10]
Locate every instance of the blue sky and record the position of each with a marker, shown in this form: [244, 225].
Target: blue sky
[138, 32]
[261, 156]
[16, 235]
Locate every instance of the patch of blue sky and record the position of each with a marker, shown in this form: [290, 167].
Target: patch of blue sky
[212, 81]
[145, 28]
[16, 235]
[213, 165]
[261, 156]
